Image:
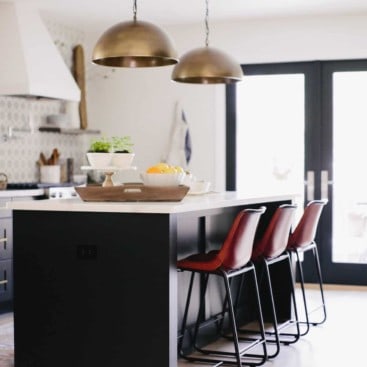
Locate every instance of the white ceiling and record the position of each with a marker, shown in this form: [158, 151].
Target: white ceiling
[102, 13]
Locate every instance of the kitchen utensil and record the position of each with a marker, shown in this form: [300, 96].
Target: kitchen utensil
[79, 75]
[3, 181]
[42, 159]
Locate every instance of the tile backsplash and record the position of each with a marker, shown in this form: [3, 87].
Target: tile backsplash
[20, 141]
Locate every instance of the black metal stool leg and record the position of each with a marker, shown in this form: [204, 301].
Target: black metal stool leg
[260, 315]
[302, 283]
[201, 312]
[184, 319]
[273, 312]
[232, 320]
[318, 268]
[293, 296]
[308, 321]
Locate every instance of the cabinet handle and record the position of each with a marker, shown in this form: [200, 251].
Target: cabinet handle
[3, 239]
[3, 282]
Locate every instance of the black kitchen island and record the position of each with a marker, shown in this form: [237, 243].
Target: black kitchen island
[95, 284]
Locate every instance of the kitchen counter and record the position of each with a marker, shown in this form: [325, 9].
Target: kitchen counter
[4, 194]
[188, 204]
[96, 284]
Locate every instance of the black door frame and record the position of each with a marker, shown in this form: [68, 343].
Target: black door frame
[312, 71]
[338, 273]
[318, 155]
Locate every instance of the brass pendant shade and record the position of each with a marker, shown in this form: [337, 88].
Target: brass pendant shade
[207, 65]
[134, 44]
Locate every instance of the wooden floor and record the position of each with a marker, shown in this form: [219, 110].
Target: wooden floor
[339, 342]
[6, 340]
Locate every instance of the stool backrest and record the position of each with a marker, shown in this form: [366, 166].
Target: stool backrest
[237, 247]
[305, 231]
[275, 238]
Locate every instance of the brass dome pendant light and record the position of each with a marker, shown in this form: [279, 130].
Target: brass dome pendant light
[207, 65]
[134, 44]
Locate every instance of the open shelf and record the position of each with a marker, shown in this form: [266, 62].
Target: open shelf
[59, 130]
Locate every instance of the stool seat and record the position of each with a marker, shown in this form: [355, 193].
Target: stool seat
[201, 262]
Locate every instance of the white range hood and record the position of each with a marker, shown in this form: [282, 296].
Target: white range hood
[30, 63]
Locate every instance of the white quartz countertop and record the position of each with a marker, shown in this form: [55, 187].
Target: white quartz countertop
[21, 193]
[188, 204]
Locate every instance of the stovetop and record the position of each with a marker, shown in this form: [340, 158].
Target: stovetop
[49, 190]
[22, 186]
[35, 185]
[21, 190]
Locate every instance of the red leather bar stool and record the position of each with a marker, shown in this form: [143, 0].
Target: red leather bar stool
[268, 251]
[232, 260]
[301, 241]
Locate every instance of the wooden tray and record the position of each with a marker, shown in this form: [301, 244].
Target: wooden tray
[132, 192]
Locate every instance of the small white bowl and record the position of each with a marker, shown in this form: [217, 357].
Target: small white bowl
[188, 179]
[122, 160]
[199, 187]
[99, 160]
[162, 179]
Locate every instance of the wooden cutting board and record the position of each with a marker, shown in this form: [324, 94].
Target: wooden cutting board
[79, 75]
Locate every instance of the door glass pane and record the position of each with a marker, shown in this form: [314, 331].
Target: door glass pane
[270, 134]
[349, 217]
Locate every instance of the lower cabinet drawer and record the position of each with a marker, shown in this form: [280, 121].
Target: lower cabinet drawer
[6, 281]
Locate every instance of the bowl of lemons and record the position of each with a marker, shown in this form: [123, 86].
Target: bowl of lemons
[163, 174]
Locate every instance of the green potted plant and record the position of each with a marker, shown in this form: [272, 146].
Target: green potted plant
[102, 145]
[121, 144]
[99, 153]
[122, 151]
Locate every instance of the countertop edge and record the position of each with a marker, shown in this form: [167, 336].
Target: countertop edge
[5, 194]
[188, 204]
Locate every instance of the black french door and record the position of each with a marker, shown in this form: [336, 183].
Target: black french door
[332, 161]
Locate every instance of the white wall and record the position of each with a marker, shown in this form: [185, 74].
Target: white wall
[140, 102]
[293, 39]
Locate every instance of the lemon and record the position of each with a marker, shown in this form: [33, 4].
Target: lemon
[162, 166]
[158, 168]
[170, 169]
[153, 169]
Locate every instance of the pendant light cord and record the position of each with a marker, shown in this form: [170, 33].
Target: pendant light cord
[135, 10]
[207, 23]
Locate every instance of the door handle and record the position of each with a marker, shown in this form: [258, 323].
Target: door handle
[325, 182]
[310, 185]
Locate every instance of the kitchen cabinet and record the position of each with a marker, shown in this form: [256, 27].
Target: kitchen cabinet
[6, 255]
[6, 242]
